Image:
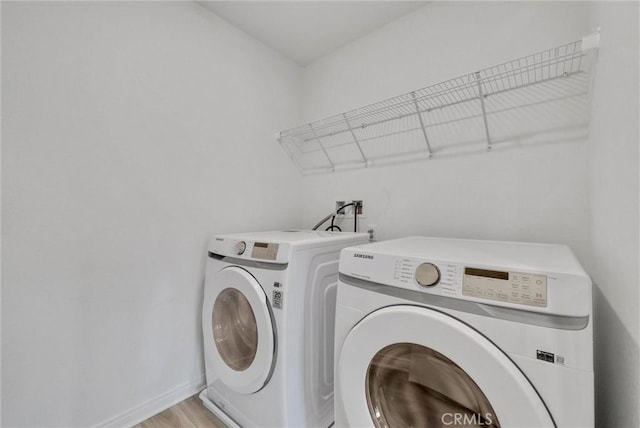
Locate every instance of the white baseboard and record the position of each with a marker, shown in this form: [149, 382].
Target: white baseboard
[220, 414]
[154, 406]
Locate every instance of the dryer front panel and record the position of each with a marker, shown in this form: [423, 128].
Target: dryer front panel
[238, 330]
[413, 366]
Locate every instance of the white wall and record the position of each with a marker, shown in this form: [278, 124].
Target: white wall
[614, 191]
[580, 192]
[131, 132]
[530, 193]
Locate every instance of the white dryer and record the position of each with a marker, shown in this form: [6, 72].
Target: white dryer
[444, 332]
[268, 324]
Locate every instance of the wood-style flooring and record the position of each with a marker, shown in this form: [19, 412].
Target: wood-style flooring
[189, 413]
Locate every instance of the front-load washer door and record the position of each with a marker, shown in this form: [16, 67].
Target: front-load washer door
[237, 320]
[408, 366]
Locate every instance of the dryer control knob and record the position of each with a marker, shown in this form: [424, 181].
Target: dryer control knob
[427, 274]
[240, 247]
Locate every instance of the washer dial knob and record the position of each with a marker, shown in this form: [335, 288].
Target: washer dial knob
[427, 274]
[239, 247]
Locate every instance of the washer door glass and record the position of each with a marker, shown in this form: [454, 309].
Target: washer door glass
[239, 332]
[410, 366]
[411, 385]
[235, 331]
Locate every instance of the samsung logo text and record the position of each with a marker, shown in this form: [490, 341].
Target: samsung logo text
[363, 256]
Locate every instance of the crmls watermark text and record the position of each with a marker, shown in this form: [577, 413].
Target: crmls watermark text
[363, 256]
[465, 419]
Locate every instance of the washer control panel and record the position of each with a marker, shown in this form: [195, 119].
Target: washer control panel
[512, 287]
[451, 280]
[246, 249]
[537, 278]
[264, 250]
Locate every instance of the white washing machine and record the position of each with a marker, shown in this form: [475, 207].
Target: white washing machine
[268, 324]
[445, 332]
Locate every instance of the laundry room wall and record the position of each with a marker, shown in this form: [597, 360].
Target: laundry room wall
[535, 192]
[582, 192]
[131, 132]
[614, 191]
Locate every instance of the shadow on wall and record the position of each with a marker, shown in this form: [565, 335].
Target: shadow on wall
[614, 350]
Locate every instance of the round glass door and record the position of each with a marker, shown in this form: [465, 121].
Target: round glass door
[410, 366]
[235, 331]
[410, 385]
[238, 330]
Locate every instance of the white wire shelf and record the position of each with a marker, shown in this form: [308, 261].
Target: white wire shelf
[544, 92]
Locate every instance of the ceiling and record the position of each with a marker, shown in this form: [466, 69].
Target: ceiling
[305, 31]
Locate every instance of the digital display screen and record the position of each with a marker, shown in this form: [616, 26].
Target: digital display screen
[261, 245]
[486, 273]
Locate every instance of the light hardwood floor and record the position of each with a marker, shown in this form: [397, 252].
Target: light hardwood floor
[189, 413]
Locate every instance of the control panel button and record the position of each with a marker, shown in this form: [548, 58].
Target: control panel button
[240, 247]
[511, 287]
[427, 274]
[265, 250]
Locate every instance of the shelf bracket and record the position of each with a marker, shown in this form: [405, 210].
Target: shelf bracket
[424, 131]
[484, 111]
[591, 41]
[333, 167]
[283, 144]
[353, 134]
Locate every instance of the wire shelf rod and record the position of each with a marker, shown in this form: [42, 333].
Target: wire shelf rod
[412, 113]
[355, 139]
[502, 74]
[492, 80]
[551, 79]
[496, 82]
[323, 149]
[424, 131]
[539, 78]
[451, 121]
[540, 62]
